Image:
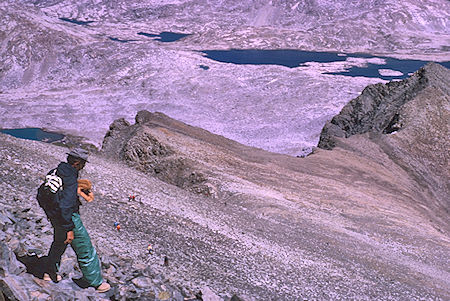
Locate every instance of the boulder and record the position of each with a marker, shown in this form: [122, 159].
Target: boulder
[8, 262]
[209, 295]
[235, 298]
[13, 288]
[142, 282]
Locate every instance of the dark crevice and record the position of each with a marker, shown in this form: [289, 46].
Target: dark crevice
[393, 125]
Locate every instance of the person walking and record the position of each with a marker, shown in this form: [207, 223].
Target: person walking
[68, 227]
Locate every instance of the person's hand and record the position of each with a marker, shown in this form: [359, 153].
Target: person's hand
[70, 237]
[89, 197]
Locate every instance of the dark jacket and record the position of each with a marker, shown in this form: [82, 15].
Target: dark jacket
[68, 197]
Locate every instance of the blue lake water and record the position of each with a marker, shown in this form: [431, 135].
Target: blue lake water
[165, 36]
[75, 21]
[33, 134]
[295, 58]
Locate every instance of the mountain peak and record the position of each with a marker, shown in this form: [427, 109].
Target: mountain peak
[377, 108]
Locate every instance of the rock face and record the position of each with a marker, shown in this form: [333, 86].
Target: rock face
[377, 109]
[415, 114]
[151, 151]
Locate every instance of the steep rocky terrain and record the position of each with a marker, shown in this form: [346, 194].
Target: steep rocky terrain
[366, 220]
[397, 117]
[378, 108]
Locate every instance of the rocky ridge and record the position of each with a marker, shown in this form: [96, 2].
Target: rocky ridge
[179, 154]
[137, 146]
[377, 109]
[362, 221]
[398, 116]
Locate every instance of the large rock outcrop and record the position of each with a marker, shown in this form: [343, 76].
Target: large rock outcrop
[410, 122]
[378, 108]
[148, 148]
[186, 156]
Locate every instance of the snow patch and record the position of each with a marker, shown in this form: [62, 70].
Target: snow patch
[389, 72]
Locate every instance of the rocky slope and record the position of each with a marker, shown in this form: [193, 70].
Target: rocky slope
[127, 265]
[352, 26]
[407, 119]
[361, 221]
[378, 108]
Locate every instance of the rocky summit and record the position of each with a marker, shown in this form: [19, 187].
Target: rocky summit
[363, 217]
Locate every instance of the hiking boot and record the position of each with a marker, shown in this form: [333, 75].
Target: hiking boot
[104, 287]
[47, 277]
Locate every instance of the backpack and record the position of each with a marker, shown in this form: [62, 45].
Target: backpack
[48, 194]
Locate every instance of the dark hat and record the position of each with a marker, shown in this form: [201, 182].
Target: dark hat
[79, 153]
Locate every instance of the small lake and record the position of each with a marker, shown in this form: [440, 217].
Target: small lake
[165, 36]
[296, 58]
[75, 21]
[34, 134]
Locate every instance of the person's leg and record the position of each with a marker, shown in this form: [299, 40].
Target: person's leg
[86, 254]
[57, 249]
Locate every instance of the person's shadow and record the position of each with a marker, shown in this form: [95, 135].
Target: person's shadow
[34, 264]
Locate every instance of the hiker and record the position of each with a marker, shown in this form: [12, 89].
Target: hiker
[68, 227]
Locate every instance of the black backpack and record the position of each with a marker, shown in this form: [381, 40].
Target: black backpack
[48, 195]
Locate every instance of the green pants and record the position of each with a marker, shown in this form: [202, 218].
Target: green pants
[86, 254]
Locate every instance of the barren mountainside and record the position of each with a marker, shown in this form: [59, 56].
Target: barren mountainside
[64, 63]
[366, 220]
